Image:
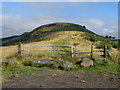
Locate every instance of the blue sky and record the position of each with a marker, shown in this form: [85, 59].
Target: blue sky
[20, 17]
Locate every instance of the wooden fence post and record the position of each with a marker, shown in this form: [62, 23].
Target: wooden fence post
[91, 51]
[19, 48]
[72, 51]
[104, 51]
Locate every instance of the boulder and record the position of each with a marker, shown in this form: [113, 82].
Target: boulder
[100, 60]
[86, 62]
[67, 65]
[43, 61]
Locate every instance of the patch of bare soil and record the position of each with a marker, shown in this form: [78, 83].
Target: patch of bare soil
[62, 79]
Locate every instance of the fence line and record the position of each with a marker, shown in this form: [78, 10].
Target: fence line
[72, 52]
[45, 50]
[45, 46]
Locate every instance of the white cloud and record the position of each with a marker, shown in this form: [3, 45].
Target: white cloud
[101, 27]
[16, 25]
[107, 31]
[96, 22]
[93, 24]
[112, 32]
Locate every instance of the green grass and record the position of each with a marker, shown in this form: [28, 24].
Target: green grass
[108, 68]
[17, 70]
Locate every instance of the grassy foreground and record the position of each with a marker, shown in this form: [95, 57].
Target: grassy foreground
[25, 64]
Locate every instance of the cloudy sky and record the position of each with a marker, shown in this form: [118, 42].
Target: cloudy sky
[19, 17]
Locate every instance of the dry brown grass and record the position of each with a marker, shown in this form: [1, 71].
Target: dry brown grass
[8, 51]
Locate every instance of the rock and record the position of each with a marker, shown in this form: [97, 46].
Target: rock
[53, 75]
[6, 63]
[43, 61]
[100, 60]
[67, 65]
[76, 76]
[86, 62]
[83, 81]
[41, 85]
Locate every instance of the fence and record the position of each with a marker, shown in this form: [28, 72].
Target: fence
[71, 50]
[20, 49]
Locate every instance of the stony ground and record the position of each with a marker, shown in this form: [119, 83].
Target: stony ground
[62, 79]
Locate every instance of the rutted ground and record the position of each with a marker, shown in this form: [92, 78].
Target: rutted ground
[62, 79]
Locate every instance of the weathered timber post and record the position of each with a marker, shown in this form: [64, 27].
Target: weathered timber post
[104, 51]
[19, 48]
[91, 51]
[72, 51]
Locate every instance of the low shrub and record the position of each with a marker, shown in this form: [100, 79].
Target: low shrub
[11, 63]
[28, 62]
[101, 46]
[55, 65]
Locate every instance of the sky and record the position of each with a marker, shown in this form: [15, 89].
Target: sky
[19, 17]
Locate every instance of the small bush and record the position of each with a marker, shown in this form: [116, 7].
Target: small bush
[11, 63]
[101, 46]
[28, 62]
[61, 67]
[115, 45]
[55, 65]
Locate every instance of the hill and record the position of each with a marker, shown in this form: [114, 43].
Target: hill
[41, 32]
[45, 32]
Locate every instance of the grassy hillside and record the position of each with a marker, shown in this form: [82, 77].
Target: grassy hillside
[48, 31]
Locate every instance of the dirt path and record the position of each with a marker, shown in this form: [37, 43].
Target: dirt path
[62, 79]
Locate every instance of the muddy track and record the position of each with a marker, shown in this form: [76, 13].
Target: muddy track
[62, 79]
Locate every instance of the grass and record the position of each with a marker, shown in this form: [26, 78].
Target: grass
[108, 68]
[13, 71]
